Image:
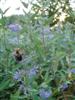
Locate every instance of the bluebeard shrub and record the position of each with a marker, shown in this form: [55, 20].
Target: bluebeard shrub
[42, 47]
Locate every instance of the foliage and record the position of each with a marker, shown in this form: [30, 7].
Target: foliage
[52, 9]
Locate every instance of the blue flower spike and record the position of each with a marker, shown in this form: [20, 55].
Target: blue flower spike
[32, 72]
[17, 76]
[14, 27]
[72, 70]
[64, 86]
[44, 94]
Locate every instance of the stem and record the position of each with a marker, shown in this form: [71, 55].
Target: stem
[4, 40]
[66, 97]
[43, 38]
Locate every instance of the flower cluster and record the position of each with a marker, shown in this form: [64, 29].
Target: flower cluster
[17, 76]
[45, 94]
[23, 89]
[46, 30]
[64, 86]
[72, 70]
[32, 72]
[14, 27]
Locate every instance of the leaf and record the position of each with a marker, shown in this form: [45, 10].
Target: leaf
[24, 4]
[1, 11]
[4, 84]
[35, 97]
[15, 96]
[6, 10]
[24, 11]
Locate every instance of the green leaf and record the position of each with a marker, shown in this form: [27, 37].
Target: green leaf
[4, 84]
[24, 4]
[15, 96]
[1, 11]
[35, 97]
[6, 10]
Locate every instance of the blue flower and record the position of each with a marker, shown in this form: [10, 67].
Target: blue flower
[23, 89]
[17, 76]
[44, 94]
[32, 72]
[64, 86]
[14, 27]
[46, 30]
[72, 70]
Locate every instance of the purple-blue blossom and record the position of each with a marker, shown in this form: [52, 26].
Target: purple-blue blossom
[72, 70]
[14, 27]
[45, 94]
[32, 72]
[46, 29]
[22, 88]
[17, 76]
[64, 86]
